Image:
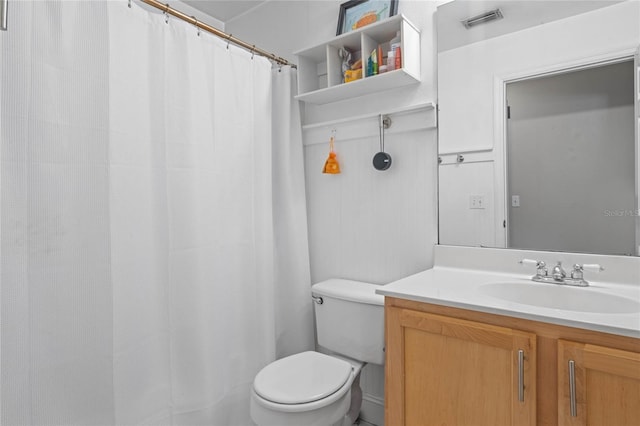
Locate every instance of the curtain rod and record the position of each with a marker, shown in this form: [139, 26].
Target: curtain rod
[228, 37]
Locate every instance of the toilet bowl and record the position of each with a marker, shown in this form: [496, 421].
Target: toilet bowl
[309, 388]
[316, 389]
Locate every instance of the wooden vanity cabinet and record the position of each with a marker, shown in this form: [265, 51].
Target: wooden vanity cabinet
[597, 385]
[447, 371]
[450, 366]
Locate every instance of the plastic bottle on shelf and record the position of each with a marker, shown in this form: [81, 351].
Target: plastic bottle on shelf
[395, 42]
[398, 58]
[391, 61]
[395, 48]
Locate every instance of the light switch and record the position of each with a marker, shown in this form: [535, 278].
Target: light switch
[476, 202]
[515, 201]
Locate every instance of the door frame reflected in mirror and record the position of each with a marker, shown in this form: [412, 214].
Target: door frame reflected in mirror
[500, 128]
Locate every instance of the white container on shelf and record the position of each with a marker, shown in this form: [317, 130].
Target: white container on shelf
[391, 60]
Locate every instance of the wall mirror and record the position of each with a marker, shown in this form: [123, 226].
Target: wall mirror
[538, 125]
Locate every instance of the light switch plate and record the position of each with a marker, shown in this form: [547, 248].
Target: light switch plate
[476, 202]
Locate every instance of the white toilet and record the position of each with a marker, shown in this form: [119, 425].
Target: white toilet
[314, 389]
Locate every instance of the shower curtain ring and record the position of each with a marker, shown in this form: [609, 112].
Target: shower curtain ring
[196, 24]
[253, 51]
[229, 40]
[166, 14]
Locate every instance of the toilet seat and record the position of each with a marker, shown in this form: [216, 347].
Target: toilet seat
[302, 378]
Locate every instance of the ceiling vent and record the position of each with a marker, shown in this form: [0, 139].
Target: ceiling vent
[482, 18]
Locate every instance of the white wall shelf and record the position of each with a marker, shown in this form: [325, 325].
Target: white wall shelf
[409, 119]
[320, 67]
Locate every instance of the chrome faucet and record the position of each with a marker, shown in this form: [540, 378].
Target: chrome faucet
[559, 275]
[558, 272]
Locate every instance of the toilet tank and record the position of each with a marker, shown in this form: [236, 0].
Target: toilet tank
[350, 320]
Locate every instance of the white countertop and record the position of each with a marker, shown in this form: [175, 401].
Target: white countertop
[462, 288]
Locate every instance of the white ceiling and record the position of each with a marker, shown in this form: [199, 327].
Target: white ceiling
[224, 10]
[449, 14]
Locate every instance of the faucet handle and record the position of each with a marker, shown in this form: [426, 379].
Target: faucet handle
[592, 267]
[531, 262]
[539, 264]
[577, 276]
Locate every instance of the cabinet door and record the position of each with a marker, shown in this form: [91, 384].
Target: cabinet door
[446, 371]
[597, 385]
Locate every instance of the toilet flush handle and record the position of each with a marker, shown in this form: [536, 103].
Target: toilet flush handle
[317, 299]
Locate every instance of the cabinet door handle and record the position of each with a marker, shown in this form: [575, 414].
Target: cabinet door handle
[572, 388]
[520, 375]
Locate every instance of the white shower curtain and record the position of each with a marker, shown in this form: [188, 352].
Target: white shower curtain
[184, 205]
[293, 320]
[56, 313]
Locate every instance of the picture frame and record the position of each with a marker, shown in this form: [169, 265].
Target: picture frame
[355, 14]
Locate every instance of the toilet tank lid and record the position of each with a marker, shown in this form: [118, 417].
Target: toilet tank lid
[353, 291]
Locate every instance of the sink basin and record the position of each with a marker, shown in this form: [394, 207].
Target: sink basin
[580, 299]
